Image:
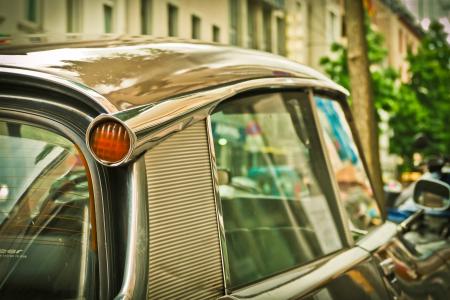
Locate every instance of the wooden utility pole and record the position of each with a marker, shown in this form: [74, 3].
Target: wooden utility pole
[362, 94]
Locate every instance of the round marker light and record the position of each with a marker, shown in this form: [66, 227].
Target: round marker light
[110, 141]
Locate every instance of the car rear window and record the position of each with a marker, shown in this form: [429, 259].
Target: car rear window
[275, 203]
[47, 242]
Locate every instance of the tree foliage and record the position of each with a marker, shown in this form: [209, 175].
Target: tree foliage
[419, 107]
[430, 80]
[384, 78]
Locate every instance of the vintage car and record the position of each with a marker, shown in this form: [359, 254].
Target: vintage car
[133, 168]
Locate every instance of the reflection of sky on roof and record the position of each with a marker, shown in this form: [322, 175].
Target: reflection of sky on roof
[138, 74]
[63, 57]
[108, 88]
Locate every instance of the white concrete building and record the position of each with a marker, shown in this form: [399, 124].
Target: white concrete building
[431, 9]
[183, 18]
[248, 23]
[312, 27]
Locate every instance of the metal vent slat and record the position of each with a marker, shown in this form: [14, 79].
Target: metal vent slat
[184, 256]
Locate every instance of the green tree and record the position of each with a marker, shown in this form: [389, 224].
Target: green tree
[419, 107]
[430, 79]
[406, 122]
[384, 78]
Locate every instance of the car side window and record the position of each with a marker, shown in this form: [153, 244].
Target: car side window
[353, 182]
[274, 201]
[47, 244]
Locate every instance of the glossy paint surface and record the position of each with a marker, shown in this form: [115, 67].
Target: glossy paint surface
[140, 73]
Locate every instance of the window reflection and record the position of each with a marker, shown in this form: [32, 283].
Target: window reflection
[353, 182]
[45, 230]
[275, 211]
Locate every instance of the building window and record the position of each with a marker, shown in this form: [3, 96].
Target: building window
[267, 23]
[251, 25]
[281, 36]
[400, 41]
[33, 11]
[146, 16]
[73, 16]
[332, 27]
[343, 28]
[172, 16]
[421, 9]
[298, 13]
[108, 18]
[216, 33]
[234, 22]
[196, 27]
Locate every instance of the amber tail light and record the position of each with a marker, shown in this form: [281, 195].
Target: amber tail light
[110, 141]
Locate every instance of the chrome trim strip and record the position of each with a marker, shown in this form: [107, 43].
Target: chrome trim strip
[78, 87]
[379, 237]
[219, 211]
[153, 123]
[39, 102]
[304, 280]
[134, 285]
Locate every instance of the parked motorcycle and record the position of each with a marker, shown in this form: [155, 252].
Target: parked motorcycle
[400, 203]
[421, 258]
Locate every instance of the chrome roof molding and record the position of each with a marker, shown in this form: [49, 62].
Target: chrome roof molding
[148, 71]
[150, 124]
[99, 101]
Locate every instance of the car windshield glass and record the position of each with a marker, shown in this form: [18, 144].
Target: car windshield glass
[275, 202]
[45, 229]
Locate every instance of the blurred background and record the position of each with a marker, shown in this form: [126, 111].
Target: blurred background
[408, 50]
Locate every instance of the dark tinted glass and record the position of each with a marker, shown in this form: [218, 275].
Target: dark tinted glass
[47, 249]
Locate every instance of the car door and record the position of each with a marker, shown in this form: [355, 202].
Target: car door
[285, 229]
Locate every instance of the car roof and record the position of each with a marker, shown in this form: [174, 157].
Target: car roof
[133, 71]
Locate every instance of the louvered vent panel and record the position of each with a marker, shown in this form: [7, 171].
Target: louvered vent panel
[185, 260]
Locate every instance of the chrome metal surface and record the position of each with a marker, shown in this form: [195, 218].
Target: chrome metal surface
[38, 103]
[137, 72]
[387, 266]
[378, 237]
[153, 123]
[84, 253]
[96, 98]
[219, 211]
[184, 251]
[131, 134]
[305, 280]
[406, 224]
[134, 285]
